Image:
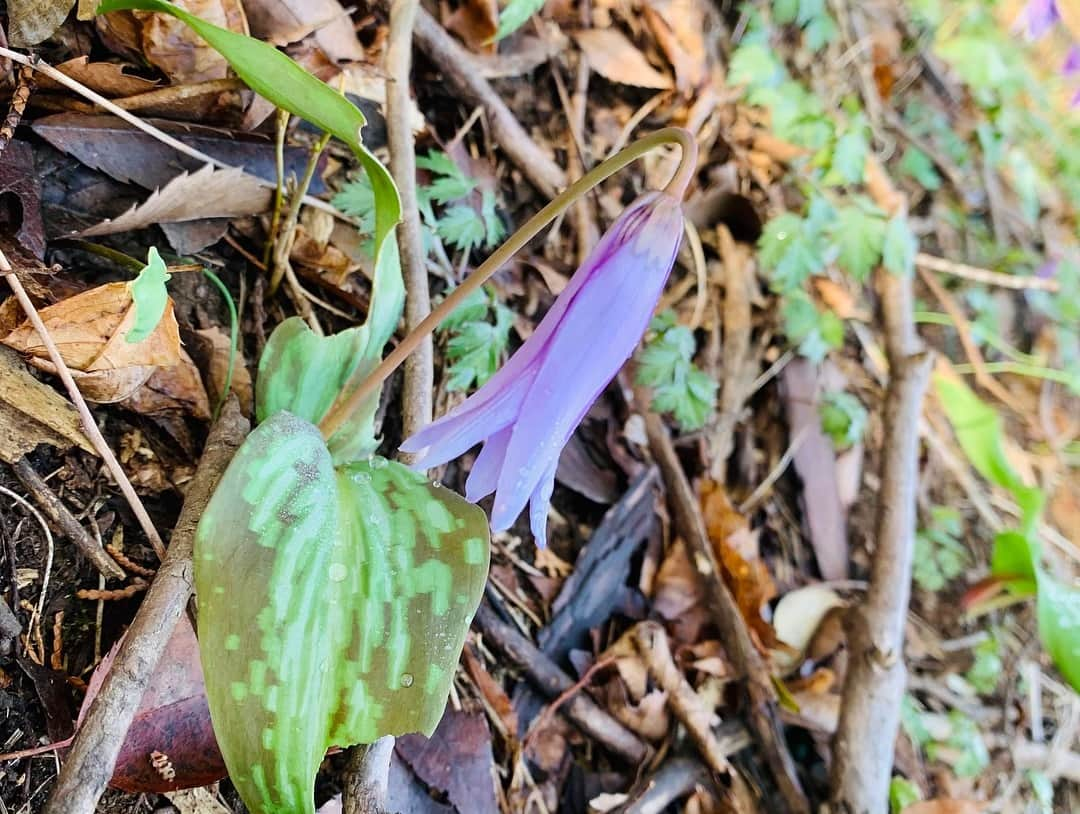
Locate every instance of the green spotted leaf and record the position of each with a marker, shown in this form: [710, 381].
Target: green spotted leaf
[303, 373]
[149, 296]
[275, 77]
[333, 606]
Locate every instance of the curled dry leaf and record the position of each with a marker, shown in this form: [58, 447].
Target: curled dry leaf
[286, 21]
[170, 45]
[208, 193]
[679, 28]
[32, 413]
[218, 368]
[177, 387]
[107, 78]
[614, 57]
[476, 22]
[31, 21]
[90, 331]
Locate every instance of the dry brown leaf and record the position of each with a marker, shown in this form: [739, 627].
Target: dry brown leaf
[678, 597]
[679, 27]
[170, 45]
[31, 21]
[476, 23]
[207, 193]
[90, 331]
[839, 299]
[201, 800]
[497, 699]
[942, 806]
[614, 57]
[799, 614]
[107, 78]
[177, 387]
[286, 21]
[218, 370]
[32, 413]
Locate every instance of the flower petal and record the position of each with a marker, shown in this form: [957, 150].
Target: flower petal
[539, 503]
[484, 476]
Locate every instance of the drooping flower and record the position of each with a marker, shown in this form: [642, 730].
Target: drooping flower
[528, 410]
[1071, 65]
[1038, 17]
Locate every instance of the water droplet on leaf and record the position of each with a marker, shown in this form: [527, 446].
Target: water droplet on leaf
[406, 680]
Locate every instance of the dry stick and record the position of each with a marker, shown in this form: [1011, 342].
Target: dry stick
[89, 765]
[764, 721]
[283, 240]
[419, 367]
[58, 513]
[870, 707]
[465, 76]
[586, 714]
[652, 644]
[985, 276]
[178, 93]
[674, 780]
[149, 129]
[89, 425]
[366, 779]
[19, 97]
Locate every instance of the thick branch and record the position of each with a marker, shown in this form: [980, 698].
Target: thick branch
[870, 709]
[89, 765]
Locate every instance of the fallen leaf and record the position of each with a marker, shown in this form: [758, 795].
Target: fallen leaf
[170, 45]
[90, 331]
[31, 21]
[679, 27]
[129, 155]
[217, 370]
[678, 597]
[799, 613]
[287, 21]
[497, 699]
[614, 57]
[942, 806]
[457, 760]
[176, 387]
[476, 22]
[52, 689]
[815, 463]
[32, 413]
[107, 78]
[19, 181]
[200, 800]
[207, 193]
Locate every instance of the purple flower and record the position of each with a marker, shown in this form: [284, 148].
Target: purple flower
[1071, 64]
[528, 410]
[1039, 17]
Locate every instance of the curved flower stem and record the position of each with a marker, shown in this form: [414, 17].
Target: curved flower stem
[354, 394]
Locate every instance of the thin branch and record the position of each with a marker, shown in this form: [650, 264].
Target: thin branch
[1017, 282]
[870, 708]
[89, 766]
[88, 422]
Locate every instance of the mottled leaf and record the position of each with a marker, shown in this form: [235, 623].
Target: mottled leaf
[149, 296]
[333, 606]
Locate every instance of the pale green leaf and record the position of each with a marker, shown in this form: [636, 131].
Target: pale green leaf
[1059, 624]
[149, 297]
[900, 246]
[515, 15]
[333, 606]
[858, 232]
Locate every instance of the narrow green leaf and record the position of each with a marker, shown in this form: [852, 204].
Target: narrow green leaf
[1059, 625]
[149, 296]
[333, 605]
[275, 77]
[303, 373]
[515, 15]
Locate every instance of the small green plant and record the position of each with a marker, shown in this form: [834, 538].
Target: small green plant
[985, 672]
[666, 365]
[953, 738]
[476, 343]
[940, 556]
[902, 793]
[843, 418]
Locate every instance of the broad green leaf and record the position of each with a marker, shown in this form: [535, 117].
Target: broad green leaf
[303, 373]
[792, 250]
[849, 156]
[275, 77]
[149, 297]
[515, 15]
[1059, 625]
[333, 606]
[918, 165]
[859, 234]
[902, 793]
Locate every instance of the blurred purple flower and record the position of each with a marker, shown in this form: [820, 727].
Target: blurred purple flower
[528, 410]
[1071, 64]
[1039, 17]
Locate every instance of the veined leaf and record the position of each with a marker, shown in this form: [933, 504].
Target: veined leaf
[333, 603]
[149, 296]
[275, 77]
[303, 373]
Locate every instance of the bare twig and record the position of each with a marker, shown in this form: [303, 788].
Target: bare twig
[420, 366]
[675, 779]
[367, 776]
[283, 240]
[38, 611]
[89, 424]
[464, 76]
[148, 128]
[985, 276]
[591, 718]
[870, 709]
[59, 514]
[652, 643]
[89, 765]
[764, 721]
